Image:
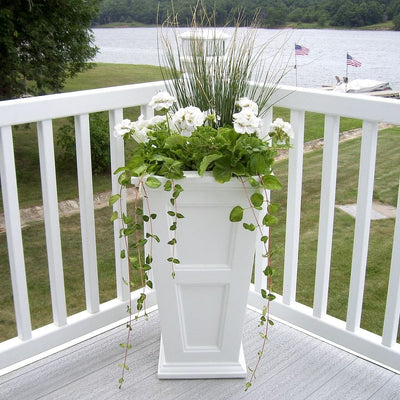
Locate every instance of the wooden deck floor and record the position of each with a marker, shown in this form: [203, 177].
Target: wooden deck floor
[295, 367]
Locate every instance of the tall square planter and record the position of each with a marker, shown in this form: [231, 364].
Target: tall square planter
[202, 308]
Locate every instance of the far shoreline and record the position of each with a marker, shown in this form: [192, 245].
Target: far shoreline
[388, 26]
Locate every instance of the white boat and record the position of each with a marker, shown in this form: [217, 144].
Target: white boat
[365, 86]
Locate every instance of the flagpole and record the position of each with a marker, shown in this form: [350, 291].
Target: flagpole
[347, 72]
[295, 61]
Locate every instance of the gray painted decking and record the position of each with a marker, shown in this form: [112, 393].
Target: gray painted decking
[296, 366]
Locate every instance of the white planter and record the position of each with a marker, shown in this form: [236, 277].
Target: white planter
[202, 309]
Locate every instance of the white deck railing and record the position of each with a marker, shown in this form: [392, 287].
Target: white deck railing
[42, 110]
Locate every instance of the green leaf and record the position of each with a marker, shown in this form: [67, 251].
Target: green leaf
[178, 189]
[236, 214]
[114, 216]
[113, 199]
[271, 182]
[264, 239]
[257, 164]
[206, 161]
[263, 293]
[257, 199]
[123, 254]
[171, 213]
[273, 208]
[268, 271]
[269, 220]
[250, 227]
[149, 284]
[254, 182]
[168, 185]
[153, 182]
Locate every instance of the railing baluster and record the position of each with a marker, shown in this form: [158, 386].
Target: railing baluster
[326, 214]
[117, 160]
[363, 222]
[147, 111]
[51, 218]
[14, 234]
[295, 181]
[83, 158]
[392, 314]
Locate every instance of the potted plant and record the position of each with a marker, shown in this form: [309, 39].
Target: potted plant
[203, 177]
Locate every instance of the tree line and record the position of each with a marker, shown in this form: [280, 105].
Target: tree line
[271, 13]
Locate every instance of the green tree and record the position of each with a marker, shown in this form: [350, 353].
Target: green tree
[396, 22]
[42, 43]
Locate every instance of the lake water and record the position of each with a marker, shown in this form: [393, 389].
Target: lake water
[378, 51]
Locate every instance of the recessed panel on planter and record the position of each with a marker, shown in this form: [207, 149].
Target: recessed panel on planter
[202, 305]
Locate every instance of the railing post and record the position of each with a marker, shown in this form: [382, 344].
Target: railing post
[295, 181]
[14, 234]
[84, 164]
[363, 222]
[326, 214]
[51, 219]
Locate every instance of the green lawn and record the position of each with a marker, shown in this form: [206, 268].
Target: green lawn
[388, 170]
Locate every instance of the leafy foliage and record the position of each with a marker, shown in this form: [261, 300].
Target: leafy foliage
[223, 151]
[42, 43]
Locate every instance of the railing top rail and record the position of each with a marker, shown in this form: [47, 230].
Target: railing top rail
[19, 111]
[358, 106]
[40, 108]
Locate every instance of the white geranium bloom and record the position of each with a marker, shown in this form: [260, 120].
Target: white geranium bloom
[245, 102]
[162, 101]
[186, 120]
[246, 121]
[279, 123]
[157, 119]
[140, 129]
[282, 131]
[123, 127]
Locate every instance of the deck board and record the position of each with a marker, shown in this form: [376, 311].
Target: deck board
[296, 366]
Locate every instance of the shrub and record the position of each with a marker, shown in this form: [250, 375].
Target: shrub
[99, 142]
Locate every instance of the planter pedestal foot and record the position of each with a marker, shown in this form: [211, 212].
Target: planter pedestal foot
[201, 370]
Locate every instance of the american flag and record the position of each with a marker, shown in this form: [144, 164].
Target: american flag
[352, 61]
[301, 50]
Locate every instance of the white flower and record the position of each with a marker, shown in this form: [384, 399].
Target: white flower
[157, 119]
[282, 131]
[279, 123]
[186, 120]
[162, 101]
[245, 102]
[246, 121]
[140, 129]
[123, 127]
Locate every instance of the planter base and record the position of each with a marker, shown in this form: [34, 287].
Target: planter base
[201, 370]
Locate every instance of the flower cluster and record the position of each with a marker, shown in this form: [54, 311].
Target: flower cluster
[281, 131]
[247, 121]
[186, 120]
